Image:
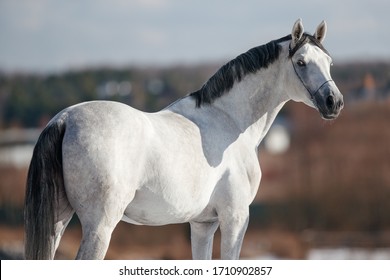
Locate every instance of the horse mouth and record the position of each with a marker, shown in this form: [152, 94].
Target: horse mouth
[329, 115]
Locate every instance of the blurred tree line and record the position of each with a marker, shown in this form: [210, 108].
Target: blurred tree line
[30, 100]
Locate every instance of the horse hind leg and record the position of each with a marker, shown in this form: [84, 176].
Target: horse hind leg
[64, 215]
[97, 224]
[95, 242]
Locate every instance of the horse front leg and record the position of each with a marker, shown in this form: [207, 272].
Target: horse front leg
[233, 228]
[202, 236]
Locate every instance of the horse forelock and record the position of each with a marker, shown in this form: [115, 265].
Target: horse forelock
[307, 39]
[235, 70]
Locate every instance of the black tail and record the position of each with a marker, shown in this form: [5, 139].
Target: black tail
[44, 182]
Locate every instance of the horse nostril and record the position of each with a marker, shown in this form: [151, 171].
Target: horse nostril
[341, 104]
[330, 102]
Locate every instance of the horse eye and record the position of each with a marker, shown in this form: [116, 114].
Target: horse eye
[301, 63]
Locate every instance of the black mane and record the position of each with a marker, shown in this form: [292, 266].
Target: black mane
[249, 62]
[236, 69]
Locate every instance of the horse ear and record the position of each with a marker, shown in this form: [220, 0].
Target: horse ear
[320, 32]
[296, 32]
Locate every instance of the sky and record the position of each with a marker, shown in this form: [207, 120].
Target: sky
[57, 35]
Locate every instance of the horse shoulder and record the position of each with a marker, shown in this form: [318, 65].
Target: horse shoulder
[246, 171]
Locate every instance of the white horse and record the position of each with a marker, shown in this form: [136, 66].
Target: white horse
[195, 161]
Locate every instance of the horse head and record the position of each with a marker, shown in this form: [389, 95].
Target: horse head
[311, 64]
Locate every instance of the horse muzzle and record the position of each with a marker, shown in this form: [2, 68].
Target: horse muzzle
[329, 101]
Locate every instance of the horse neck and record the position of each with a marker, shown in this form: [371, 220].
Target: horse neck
[254, 102]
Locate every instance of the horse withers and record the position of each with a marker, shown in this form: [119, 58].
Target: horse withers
[195, 161]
